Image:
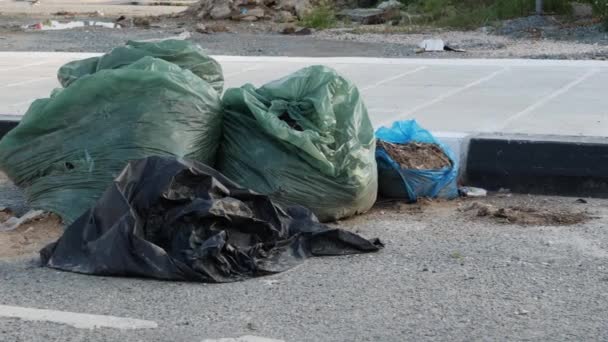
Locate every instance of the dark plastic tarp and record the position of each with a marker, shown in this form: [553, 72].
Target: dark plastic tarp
[179, 220]
[304, 139]
[68, 148]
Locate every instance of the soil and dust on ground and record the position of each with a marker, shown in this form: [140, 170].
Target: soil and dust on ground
[25, 234]
[527, 216]
[417, 155]
[29, 236]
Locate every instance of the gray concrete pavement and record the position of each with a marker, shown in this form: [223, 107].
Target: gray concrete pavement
[444, 275]
[513, 96]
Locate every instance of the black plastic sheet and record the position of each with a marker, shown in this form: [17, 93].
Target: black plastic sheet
[179, 220]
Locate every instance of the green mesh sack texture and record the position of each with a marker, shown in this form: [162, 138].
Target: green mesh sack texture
[183, 53]
[68, 148]
[304, 139]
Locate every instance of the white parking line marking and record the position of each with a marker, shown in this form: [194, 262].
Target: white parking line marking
[27, 82]
[77, 320]
[24, 66]
[396, 77]
[444, 96]
[547, 98]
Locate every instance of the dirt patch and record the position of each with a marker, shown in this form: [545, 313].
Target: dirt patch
[417, 156]
[30, 236]
[527, 215]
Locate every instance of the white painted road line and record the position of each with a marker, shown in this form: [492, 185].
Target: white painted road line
[443, 97]
[547, 98]
[24, 66]
[393, 78]
[77, 320]
[15, 84]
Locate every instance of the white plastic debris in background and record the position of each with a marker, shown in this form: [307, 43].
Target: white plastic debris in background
[432, 45]
[52, 25]
[14, 222]
[469, 191]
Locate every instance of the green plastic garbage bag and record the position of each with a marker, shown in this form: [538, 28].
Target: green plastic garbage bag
[181, 52]
[69, 147]
[304, 139]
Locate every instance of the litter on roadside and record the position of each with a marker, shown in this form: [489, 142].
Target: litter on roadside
[13, 222]
[176, 220]
[52, 25]
[435, 45]
[527, 215]
[470, 191]
[413, 164]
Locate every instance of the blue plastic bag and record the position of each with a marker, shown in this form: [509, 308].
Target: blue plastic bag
[410, 184]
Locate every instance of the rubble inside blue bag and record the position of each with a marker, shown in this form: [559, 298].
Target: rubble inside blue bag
[200, 205]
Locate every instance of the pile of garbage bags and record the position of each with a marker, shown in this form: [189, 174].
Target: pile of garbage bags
[305, 139]
[156, 174]
[181, 220]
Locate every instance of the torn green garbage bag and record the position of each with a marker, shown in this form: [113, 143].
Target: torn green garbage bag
[411, 183]
[180, 52]
[178, 220]
[69, 147]
[304, 139]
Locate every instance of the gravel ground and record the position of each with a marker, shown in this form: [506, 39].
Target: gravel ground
[511, 40]
[444, 275]
[480, 44]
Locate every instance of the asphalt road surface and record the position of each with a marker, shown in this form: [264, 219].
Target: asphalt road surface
[444, 275]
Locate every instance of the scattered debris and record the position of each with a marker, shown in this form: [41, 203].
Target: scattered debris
[288, 29]
[65, 14]
[201, 28]
[416, 155]
[292, 29]
[211, 28]
[141, 22]
[581, 200]
[11, 222]
[434, 45]
[303, 31]
[50, 25]
[528, 216]
[522, 312]
[283, 11]
[30, 235]
[470, 191]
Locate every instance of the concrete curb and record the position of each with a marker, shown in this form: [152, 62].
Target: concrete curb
[535, 164]
[539, 164]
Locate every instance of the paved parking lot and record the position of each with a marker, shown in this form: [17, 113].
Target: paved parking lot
[514, 96]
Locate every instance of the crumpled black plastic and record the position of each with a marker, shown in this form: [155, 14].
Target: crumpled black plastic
[172, 219]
